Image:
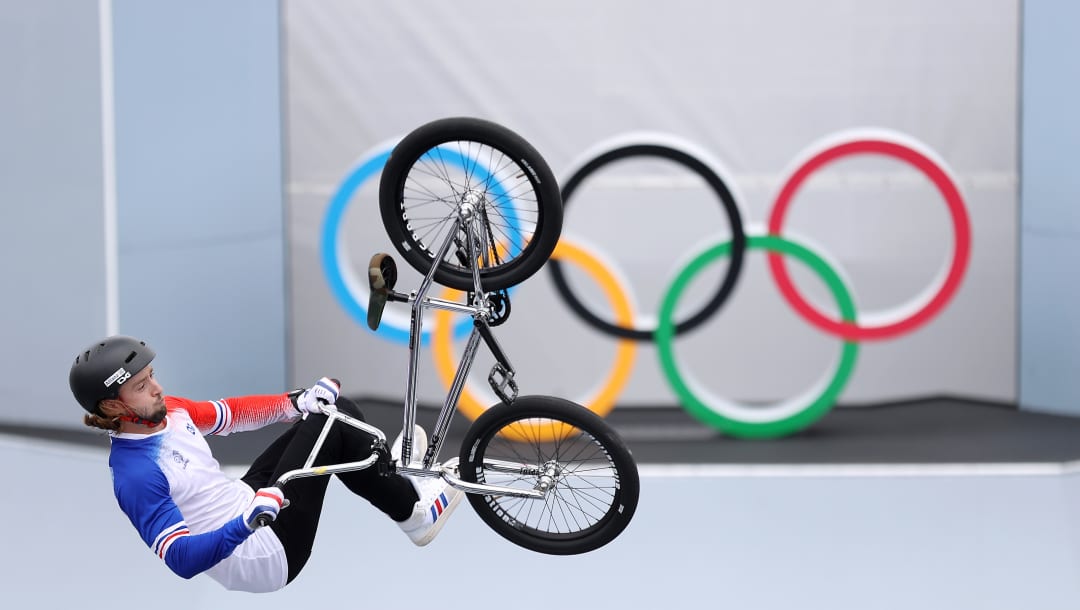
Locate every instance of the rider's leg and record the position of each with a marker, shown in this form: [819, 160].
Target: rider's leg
[296, 526]
[393, 494]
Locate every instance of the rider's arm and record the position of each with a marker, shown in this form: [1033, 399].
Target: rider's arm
[238, 414]
[144, 498]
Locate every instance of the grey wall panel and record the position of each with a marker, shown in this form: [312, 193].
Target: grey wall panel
[199, 191]
[198, 235]
[52, 255]
[1050, 221]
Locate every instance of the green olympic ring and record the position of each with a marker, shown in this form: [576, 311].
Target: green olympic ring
[745, 421]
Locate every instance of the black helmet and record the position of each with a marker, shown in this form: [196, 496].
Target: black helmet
[100, 370]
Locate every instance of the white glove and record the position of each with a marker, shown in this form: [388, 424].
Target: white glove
[325, 390]
[264, 507]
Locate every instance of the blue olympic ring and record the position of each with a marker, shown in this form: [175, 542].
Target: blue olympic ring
[351, 293]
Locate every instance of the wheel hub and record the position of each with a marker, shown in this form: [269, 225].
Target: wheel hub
[471, 202]
[549, 476]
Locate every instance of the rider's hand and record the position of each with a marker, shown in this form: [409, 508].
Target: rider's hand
[267, 501]
[325, 390]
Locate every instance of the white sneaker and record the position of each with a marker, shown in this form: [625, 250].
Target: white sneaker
[437, 500]
[419, 447]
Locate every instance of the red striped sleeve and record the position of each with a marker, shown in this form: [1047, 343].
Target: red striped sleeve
[237, 414]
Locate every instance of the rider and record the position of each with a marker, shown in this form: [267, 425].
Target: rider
[197, 519]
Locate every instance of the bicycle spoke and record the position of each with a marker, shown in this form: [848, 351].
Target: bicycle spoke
[584, 490]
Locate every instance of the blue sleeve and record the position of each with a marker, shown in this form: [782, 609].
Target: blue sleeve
[195, 553]
[144, 497]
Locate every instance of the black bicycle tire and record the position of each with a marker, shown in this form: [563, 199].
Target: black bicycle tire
[624, 500]
[468, 129]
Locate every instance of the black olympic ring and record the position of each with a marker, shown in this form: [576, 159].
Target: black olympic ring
[738, 237]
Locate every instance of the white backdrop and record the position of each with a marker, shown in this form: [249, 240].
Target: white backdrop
[751, 85]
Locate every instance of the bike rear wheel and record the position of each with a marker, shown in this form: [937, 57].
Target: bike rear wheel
[593, 480]
[448, 164]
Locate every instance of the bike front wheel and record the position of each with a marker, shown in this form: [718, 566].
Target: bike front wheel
[487, 176]
[543, 442]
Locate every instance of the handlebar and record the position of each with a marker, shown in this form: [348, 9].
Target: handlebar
[264, 519]
[326, 408]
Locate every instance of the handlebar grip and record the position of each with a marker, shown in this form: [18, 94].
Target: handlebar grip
[264, 519]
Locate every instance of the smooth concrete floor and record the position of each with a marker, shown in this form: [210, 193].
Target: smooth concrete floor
[705, 536]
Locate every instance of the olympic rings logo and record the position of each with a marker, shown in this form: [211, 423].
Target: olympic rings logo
[628, 328]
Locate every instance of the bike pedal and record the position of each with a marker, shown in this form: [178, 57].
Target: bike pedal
[500, 379]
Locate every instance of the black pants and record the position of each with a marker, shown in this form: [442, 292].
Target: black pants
[297, 524]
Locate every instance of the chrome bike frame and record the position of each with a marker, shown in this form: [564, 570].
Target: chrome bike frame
[501, 379]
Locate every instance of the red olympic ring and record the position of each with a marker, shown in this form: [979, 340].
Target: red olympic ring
[880, 144]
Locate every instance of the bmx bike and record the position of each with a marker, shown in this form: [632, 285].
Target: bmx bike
[471, 205]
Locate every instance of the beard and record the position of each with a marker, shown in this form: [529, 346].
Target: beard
[158, 414]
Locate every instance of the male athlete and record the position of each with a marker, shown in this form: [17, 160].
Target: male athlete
[197, 519]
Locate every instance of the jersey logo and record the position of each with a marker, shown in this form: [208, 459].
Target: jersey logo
[191, 428]
[180, 459]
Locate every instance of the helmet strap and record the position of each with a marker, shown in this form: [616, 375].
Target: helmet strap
[141, 421]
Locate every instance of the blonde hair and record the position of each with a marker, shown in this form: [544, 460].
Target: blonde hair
[110, 424]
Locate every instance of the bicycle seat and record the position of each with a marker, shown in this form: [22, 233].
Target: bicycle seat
[382, 276]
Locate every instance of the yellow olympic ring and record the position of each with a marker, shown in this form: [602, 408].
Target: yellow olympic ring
[625, 350]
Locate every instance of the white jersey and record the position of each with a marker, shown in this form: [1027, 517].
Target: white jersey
[185, 508]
